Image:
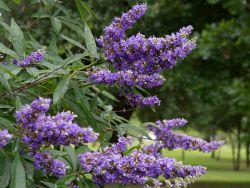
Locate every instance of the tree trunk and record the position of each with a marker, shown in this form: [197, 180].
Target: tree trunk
[183, 155]
[218, 155]
[213, 154]
[237, 167]
[248, 154]
[233, 149]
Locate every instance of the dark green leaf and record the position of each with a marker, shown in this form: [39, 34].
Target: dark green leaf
[17, 38]
[18, 177]
[6, 124]
[5, 82]
[56, 24]
[109, 95]
[6, 50]
[133, 130]
[61, 89]
[32, 71]
[90, 41]
[82, 149]
[72, 59]
[48, 184]
[72, 155]
[73, 42]
[4, 6]
[4, 171]
[18, 103]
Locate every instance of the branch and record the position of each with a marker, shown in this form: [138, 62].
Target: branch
[35, 82]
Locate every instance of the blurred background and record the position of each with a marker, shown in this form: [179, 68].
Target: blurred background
[211, 88]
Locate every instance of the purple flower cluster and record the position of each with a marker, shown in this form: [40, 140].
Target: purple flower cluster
[172, 140]
[46, 163]
[33, 57]
[138, 100]
[40, 129]
[112, 166]
[126, 78]
[138, 61]
[4, 137]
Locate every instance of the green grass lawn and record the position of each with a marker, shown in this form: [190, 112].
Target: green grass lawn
[220, 173]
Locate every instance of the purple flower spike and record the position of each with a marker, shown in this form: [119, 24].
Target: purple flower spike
[33, 57]
[39, 129]
[138, 60]
[171, 140]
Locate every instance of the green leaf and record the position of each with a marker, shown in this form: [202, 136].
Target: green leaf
[61, 89]
[4, 6]
[6, 124]
[4, 171]
[73, 42]
[72, 155]
[18, 177]
[71, 26]
[82, 149]
[109, 95]
[90, 41]
[73, 106]
[17, 38]
[8, 72]
[81, 10]
[56, 24]
[32, 71]
[133, 130]
[5, 82]
[5, 50]
[56, 153]
[84, 105]
[84, 10]
[18, 103]
[129, 151]
[52, 44]
[48, 184]
[72, 59]
[5, 106]
[64, 181]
